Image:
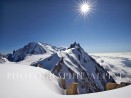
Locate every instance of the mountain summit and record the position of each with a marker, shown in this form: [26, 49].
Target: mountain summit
[72, 64]
[32, 48]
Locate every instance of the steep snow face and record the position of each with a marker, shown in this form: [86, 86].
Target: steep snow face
[48, 62]
[117, 64]
[76, 65]
[21, 81]
[32, 48]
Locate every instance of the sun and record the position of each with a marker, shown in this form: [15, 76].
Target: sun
[85, 7]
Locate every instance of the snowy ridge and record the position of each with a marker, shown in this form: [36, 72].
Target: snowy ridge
[32, 48]
[76, 61]
[78, 66]
[47, 62]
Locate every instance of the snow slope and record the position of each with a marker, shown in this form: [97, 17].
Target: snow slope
[48, 62]
[29, 59]
[117, 93]
[21, 81]
[37, 87]
[117, 64]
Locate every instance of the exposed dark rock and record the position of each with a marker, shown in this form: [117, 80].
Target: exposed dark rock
[63, 83]
[110, 86]
[72, 90]
[58, 66]
[122, 84]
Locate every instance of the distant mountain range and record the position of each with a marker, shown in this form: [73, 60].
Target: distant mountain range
[72, 63]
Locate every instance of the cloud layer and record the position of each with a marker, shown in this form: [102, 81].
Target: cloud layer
[117, 64]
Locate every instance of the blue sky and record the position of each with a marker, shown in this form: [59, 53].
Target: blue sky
[57, 22]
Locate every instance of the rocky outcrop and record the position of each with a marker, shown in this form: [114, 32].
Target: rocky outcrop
[110, 86]
[63, 83]
[72, 90]
[122, 84]
[39, 65]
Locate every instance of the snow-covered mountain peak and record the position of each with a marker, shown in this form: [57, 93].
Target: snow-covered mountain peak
[32, 48]
[75, 45]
